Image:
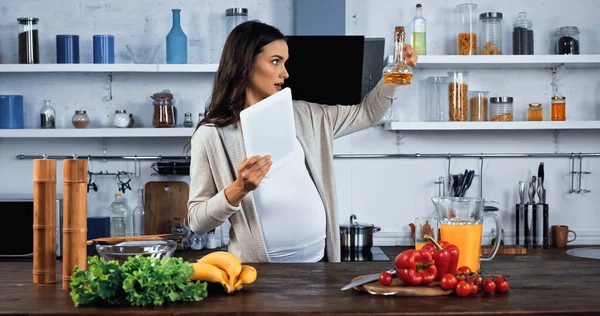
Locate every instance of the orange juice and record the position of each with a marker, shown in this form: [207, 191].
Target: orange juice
[419, 245]
[468, 240]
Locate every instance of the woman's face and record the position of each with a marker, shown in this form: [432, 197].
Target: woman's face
[268, 72]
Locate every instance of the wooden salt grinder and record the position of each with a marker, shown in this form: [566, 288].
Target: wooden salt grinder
[44, 221]
[74, 218]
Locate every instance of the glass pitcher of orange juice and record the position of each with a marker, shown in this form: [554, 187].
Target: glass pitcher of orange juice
[461, 224]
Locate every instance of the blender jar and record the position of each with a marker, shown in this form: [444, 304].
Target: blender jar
[490, 35]
[458, 103]
[436, 99]
[29, 45]
[467, 36]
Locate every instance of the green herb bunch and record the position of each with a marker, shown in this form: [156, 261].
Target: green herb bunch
[139, 281]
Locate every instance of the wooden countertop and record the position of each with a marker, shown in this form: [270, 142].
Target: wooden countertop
[544, 281]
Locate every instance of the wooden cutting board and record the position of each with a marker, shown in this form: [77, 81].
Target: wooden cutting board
[398, 288]
[166, 204]
[505, 250]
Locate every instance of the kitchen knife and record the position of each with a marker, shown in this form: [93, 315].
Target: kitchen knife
[368, 279]
[542, 189]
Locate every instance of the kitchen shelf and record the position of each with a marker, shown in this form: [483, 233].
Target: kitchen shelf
[490, 126]
[508, 61]
[125, 68]
[97, 133]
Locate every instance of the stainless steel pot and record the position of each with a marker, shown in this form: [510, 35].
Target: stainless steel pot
[357, 237]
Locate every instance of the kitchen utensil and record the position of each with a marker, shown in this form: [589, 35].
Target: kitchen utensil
[166, 205]
[520, 210]
[541, 184]
[356, 236]
[148, 248]
[365, 279]
[397, 288]
[116, 240]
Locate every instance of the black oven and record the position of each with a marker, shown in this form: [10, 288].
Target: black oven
[16, 226]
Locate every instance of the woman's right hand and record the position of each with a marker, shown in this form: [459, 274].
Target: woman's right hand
[250, 173]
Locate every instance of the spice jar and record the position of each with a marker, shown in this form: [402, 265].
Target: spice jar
[121, 119]
[478, 105]
[80, 119]
[164, 112]
[458, 104]
[535, 112]
[187, 122]
[559, 108]
[501, 109]
[29, 47]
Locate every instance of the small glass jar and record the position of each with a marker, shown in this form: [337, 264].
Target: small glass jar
[490, 33]
[164, 111]
[522, 36]
[29, 45]
[501, 109]
[535, 112]
[559, 108]
[187, 122]
[80, 119]
[478, 106]
[458, 99]
[121, 119]
[467, 35]
[567, 40]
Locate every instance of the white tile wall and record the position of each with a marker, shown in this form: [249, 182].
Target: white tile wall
[386, 192]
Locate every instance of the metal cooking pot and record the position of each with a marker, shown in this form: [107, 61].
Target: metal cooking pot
[357, 237]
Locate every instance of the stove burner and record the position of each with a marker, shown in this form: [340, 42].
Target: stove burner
[375, 254]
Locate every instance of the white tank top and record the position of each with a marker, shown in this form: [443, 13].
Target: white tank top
[291, 212]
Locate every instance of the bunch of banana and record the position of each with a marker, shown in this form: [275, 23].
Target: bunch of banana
[224, 268]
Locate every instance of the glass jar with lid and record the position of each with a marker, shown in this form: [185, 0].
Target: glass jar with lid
[522, 36]
[121, 119]
[80, 119]
[501, 109]
[164, 111]
[29, 44]
[567, 40]
[233, 18]
[559, 108]
[535, 112]
[490, 33]
[187, 122]
[467, 35]
[458, 99]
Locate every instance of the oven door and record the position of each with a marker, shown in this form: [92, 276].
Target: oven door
[16, 216]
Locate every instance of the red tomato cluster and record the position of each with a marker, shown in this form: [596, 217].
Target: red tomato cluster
[465, 283]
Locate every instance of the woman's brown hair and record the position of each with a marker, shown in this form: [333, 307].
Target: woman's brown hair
[233, 75]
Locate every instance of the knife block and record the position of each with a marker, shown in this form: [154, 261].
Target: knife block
[530, 215]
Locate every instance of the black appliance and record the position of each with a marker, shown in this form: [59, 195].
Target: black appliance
[375, 254]
[333, 70]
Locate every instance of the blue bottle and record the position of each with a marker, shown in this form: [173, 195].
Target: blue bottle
[176, 41]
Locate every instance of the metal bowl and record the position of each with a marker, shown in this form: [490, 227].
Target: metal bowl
[150, 248]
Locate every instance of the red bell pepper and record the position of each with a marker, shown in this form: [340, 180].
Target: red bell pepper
[444, 254]
[415, 267]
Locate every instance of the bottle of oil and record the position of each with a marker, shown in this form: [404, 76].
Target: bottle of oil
[397, 72]
[419, 31]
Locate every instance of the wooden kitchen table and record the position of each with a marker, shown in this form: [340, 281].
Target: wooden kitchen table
[544, 281]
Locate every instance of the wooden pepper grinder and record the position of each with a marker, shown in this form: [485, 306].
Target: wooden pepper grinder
[74, 217]
[44, 221]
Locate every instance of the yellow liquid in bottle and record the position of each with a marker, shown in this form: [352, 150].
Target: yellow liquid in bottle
[418, 42]
[397, 79]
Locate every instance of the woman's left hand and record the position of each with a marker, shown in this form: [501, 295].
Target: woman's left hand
[410, 55]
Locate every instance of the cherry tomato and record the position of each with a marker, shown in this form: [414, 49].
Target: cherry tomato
[474, 288]
[488, 286]
[464, 270]
[463, 288]
[448, 282]
[479, 280]
[385, 278]
[502, 287]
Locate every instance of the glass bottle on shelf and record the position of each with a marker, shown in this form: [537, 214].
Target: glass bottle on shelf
[138, 215]
[559, 108]
[80, 119]
[47, 115]
[29, 48]
[176, 41]
[535, 112]
[419, 31]
[397, 72]
[187, 122]
[118, 211]
[523, 36]
[467, 35]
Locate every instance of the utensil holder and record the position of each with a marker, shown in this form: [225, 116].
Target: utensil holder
[530, 225]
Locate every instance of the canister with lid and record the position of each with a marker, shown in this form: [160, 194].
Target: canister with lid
[535, 112]
[490, 33]
[501, 109]
[234, 17]
[559, 108]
